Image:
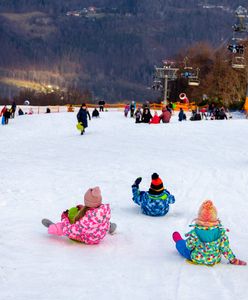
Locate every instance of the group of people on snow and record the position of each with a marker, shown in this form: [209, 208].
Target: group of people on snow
[89, 223]
[8, 113]
[144, 115]
[212, 113]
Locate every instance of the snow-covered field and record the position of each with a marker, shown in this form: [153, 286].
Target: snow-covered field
[46, 167]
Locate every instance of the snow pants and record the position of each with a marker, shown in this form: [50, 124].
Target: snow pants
[182, 249]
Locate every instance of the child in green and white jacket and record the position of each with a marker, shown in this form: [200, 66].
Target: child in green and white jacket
[207, 241]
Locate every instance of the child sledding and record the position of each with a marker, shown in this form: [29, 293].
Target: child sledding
[88, 223]
[154, 202]
[207, 241]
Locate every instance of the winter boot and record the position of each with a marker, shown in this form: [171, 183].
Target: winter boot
[176, 236]
[46, 222]
[112, 228]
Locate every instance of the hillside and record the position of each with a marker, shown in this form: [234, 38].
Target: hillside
[52, 167]
[110, 49]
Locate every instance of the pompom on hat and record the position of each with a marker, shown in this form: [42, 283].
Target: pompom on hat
[157, 186]
[207, 214]
[93, 197]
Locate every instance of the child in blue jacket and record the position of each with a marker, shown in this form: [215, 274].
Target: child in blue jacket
[156, 201]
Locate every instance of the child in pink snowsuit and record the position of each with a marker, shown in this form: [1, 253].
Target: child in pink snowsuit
[87, 224]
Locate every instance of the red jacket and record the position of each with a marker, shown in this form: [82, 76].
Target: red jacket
[165, 116]
[3, 110]
[155, 120]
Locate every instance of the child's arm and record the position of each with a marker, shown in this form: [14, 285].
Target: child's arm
[136, 194]
[190, 241]
[225, 248]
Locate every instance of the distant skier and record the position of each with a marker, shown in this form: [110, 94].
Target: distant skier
[82, 117]
[156, 201]
[207, 241]
[88, 223]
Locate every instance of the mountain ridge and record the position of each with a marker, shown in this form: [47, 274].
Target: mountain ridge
[112, 55]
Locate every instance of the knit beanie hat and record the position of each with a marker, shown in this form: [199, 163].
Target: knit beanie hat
[207, 214]
[93, 197]
[157, 186]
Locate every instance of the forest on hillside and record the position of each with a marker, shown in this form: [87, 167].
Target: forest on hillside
[111, 53]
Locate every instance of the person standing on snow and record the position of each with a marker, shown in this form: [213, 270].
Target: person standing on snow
[101, 104]
[82, 117]
[132, 109]
[13, 109]
[138, 115]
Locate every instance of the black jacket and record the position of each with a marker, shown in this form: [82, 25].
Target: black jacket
[146, 117]
[95, 113]
[82, 116]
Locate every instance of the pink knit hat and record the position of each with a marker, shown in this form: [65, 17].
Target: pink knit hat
[207, 214]
[93, 197]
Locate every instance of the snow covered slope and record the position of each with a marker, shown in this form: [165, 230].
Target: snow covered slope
[46, 167]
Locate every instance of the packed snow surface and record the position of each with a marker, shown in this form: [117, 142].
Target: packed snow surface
[46, 167]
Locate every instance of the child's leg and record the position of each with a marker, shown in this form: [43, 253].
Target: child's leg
[56, 229]
[182, 249]
[181, 245]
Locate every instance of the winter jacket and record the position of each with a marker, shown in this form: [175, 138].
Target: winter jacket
[137, 116]
[181, 116]
[207, 244]
[222, 115]
[146, 117]
[90, 229]
[155, 120]
[95, 113]
[165, 116]
[82, 116]
[4, 109]
[152, 205]
[7, 114]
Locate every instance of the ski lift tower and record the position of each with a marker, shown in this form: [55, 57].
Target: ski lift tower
[163, 76]
[240, 30]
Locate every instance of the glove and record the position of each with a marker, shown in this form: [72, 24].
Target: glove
[137, 181]
[238, 262]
